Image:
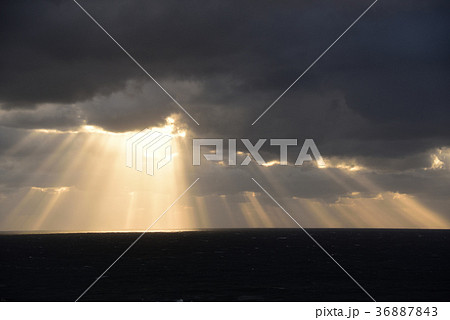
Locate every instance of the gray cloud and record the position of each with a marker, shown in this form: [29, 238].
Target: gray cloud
[379, 97]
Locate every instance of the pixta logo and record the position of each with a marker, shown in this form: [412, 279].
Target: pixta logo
[253, 149]
[154, 146]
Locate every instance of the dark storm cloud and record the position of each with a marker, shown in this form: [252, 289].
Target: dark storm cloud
[45, 116]
[50, 54]
[379, 95]
[328, 184]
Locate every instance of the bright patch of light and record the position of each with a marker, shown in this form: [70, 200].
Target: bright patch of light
[437, 163]
[271, 163]
[170, 128]
[51, 189]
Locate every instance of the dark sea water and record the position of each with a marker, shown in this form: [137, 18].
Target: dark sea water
[228, 265]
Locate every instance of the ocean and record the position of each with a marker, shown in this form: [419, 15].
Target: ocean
[228, 265]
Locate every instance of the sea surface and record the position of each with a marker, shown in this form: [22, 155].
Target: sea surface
[228, 265]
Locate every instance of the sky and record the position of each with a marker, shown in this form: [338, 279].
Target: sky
[376, 105]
